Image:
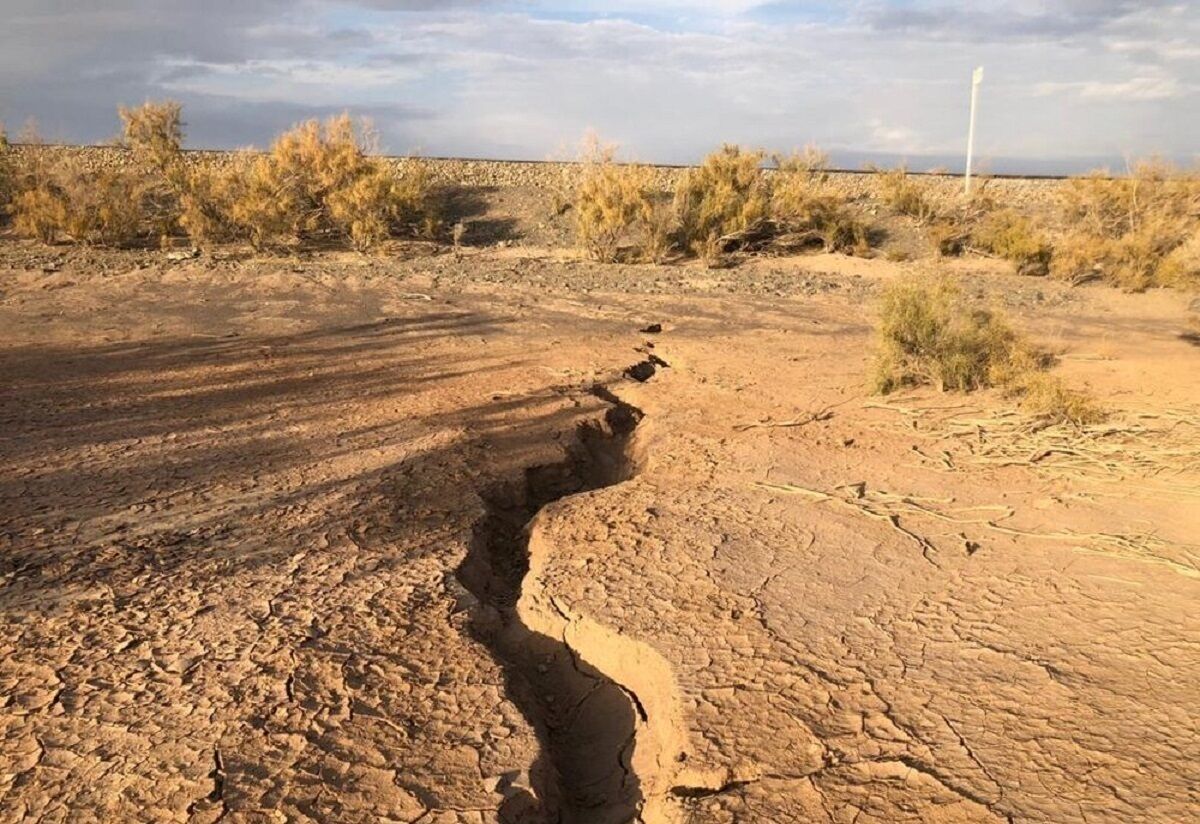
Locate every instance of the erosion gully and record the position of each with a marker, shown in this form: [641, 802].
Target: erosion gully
[585, 721]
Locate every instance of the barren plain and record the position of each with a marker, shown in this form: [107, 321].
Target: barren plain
[498, 534]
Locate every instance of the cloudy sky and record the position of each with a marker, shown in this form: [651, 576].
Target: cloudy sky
[1067, 84]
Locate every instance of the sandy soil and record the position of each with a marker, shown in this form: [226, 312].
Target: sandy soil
[333, 538]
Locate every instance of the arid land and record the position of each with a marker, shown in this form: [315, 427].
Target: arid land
[498, 534]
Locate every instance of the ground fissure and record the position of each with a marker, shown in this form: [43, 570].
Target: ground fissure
[586, 721]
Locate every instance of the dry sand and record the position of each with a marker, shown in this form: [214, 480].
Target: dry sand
[337, 538]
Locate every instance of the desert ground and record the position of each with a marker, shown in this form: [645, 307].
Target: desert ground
[498, 534]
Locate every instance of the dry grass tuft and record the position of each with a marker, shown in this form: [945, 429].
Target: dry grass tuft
[727, 193]
[1048, 399]
[930, 334]
[618, 212]
[803, 204]
[1014, 237]
[1126, 230]
[906, 195]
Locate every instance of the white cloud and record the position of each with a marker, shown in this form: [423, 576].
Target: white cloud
[1132, 90]
[668, 79]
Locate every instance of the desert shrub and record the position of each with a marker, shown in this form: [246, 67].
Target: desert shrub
[907, 196]
[7, 173]
[54, 194]
[1012, 236]
[153, 132]
[207, 201]
[369, 205]
[318, 179]
[929, 333]
[727, 193]
[100, 206]
[1048, 399]
[1181, 268]
[803, 203]
[618, 210]
[1125, 230]
[950, 238]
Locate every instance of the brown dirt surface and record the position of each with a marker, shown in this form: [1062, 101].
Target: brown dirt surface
[405, 538]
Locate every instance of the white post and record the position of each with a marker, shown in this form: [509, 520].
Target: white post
[976, 79]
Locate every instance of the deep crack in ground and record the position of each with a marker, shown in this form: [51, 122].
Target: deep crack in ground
[586, 722]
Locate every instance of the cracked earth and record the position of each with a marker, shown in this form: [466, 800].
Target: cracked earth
[455, 539]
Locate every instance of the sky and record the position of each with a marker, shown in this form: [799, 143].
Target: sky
[1068, 85]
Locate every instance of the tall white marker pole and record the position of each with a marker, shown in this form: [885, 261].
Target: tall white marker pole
[976, 79]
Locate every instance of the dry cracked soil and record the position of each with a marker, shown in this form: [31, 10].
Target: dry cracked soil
[505, 536]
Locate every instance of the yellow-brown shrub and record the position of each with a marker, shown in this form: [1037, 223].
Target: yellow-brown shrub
[1126, 229]
[153, 132]
[929, 333]
[1048, 399]
[101, 206]
[1181, 268]
[727, 193]
[7, 173]
[317, 178]
[618, 211]
[802, 202]
[906, 195]
[207, 198]
[1012, 236]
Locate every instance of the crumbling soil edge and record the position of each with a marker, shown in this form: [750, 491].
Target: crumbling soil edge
[602, 704]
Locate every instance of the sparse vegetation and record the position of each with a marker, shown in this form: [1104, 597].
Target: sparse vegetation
[53, 197]
[906, 195]
[1048, 399]
[803, 204]
[1126, 230]
[725, 194]
[6, 172]
[1012, 236]
[618, 212]
[318, 180]
[929, 333]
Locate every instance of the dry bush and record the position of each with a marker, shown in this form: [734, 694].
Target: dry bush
[618, 210]
[1014, 237]
[56, 195]
[1126, 230]
[906, 195]
[1048, 399]
[102, 207]
[1181, 268]
[153, 133]
[928, 333]
[7, 173]
[207, 198]
[950, 238]
[804, 204]
[725, 194]
[316, 180]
